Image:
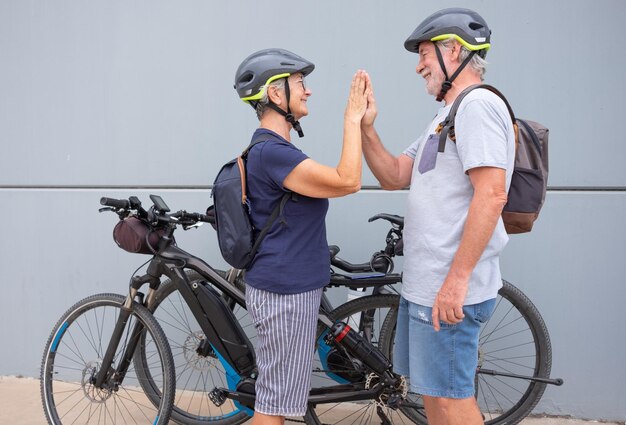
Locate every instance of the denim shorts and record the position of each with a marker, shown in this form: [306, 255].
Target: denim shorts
[439, 364]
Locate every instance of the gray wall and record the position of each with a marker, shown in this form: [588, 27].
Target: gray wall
[122, 98]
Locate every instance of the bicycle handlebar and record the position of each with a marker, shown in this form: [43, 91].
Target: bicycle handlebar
[120, 204]
[381, 261]
[158, 214]
[350, 267]
[124, 207]
[392, 218]
[183, 216]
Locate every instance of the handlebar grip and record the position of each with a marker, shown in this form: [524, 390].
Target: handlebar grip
[195, 217]
[206, 218]
[115, 203]
[392, 218]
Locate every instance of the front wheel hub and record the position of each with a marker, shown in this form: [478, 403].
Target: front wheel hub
[96, 395]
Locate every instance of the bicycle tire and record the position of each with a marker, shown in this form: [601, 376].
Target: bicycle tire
[539, 347]
[385, 309]
[514, 340]
[76, 345]
[196, 375]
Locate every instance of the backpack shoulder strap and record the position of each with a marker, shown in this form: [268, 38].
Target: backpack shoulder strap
[447, 126]
[241, 163]
[270, 221]
[257, 138]
[278, 209]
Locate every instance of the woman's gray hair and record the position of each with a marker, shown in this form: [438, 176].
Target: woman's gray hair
[261, 104]
[478, 64]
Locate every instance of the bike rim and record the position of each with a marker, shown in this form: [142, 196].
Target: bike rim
[74, 356]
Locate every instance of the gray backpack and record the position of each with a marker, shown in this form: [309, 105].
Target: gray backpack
[530, 174]
[238, 239]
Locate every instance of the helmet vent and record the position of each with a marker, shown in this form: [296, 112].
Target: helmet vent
[246, 78]
[476, 26]
[288, 64]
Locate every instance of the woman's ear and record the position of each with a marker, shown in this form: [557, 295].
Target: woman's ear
[275, 95]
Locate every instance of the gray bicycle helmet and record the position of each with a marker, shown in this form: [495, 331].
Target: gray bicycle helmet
[464, 25]
[259, 69]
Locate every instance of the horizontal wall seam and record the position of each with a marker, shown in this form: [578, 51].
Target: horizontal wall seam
[209, 187]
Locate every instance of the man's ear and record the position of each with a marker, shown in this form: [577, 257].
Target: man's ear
[455, 51]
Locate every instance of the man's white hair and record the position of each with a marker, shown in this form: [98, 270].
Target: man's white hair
[478, 64]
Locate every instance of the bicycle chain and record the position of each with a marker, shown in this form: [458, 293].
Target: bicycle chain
[401, 385]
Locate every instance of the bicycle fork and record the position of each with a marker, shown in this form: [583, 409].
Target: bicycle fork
[103, 378]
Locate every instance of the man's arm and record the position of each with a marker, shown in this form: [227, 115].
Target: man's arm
[391, 172]
[484, 211]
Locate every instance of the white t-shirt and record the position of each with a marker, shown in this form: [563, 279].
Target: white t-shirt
[440, 196]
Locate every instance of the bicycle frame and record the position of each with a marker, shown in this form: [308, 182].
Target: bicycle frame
[225, 340]
[221, 328]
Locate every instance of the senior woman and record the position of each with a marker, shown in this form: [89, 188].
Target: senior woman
[286, 278]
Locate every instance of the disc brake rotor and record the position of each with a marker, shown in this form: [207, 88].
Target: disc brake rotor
[401, 388]
[190, 352]
[96, 395]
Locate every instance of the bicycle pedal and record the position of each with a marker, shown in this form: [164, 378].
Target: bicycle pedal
[217, 396]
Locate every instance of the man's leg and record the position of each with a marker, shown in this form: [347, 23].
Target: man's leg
[443, 364]
[452, 411]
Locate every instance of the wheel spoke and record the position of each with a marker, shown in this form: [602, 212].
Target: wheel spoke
[196, 374]
[67, 378]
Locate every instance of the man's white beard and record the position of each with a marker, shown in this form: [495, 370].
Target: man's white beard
[433, 84]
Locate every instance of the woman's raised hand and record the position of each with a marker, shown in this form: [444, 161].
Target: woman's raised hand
[357, 100]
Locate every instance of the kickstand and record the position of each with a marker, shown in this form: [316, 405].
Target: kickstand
[384, 419]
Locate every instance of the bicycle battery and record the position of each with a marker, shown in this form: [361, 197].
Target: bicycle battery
[224, 332]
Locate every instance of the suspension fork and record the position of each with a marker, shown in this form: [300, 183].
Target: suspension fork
[106, 370]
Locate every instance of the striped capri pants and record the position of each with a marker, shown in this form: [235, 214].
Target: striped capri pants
[286, 326]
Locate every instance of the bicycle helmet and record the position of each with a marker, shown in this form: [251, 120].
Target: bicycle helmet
[259, 69]
[464, 25]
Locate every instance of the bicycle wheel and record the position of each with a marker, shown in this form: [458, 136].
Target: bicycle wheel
[371, 316]
[73, 356]
[514, 341]
[196, 374]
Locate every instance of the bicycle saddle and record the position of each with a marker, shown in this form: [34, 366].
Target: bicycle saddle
[392, 218]
[333, 250]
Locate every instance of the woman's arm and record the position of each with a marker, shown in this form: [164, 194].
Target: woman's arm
[312, 179]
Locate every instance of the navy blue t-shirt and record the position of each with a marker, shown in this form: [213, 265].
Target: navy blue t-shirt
[293, 257]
